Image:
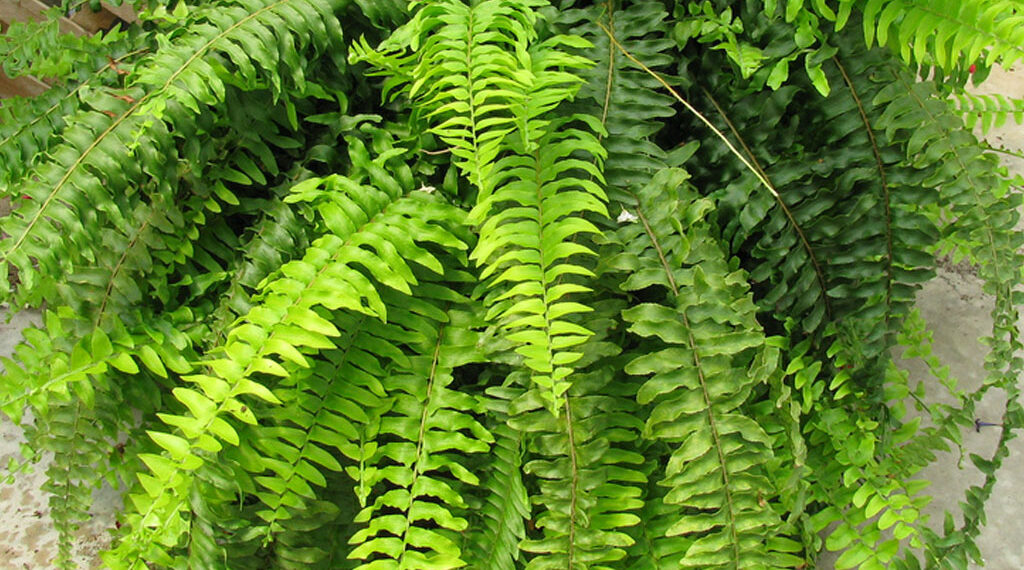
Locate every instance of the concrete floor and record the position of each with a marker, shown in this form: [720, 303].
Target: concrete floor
[952, 304]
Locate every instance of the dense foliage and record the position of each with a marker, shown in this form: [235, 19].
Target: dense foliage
[506, 283]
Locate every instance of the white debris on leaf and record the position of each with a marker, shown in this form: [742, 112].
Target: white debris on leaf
[626, 217]
[427, 189]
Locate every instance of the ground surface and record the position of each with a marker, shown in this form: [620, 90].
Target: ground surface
[953, 304]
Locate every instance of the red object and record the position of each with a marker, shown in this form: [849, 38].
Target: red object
[972, 68]
[26, 197]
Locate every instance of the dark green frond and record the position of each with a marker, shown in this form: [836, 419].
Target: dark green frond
[494, 540]
[711, 355]
[626, 99]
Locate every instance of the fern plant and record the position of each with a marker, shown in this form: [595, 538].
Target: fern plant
[504, 283]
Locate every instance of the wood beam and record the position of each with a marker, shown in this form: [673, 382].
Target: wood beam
[93, 21]
[20, 86]
[26, 10]
[124, 11]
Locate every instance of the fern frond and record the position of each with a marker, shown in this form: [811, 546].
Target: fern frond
[315, 426]
[56, 358]
[988, 111]
[714, 354]
[81, 433]
[88, 172]
[367, 227]
[900, 227]
[582, 459]
[415, 517]
[525, 241]
[627, 101]
[849, 479]
[947, 32]
[40, 48]
[823, 229]
[468, 105]
[494, 542]
[540, 202]
[977, 193]
[28, 127]
[585, 494]
[278, 233]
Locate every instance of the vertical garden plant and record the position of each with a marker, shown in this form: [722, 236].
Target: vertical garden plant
[506, 284]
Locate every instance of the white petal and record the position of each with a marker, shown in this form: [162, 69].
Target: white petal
[626, 217]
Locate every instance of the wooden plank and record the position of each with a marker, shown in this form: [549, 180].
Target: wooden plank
[93, 21]
[20, 86]
[25, 10]
[124, 11]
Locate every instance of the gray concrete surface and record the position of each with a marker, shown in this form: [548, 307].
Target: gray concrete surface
[27, 538]
[953, 305]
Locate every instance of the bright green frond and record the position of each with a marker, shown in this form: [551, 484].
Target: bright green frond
[417, 510]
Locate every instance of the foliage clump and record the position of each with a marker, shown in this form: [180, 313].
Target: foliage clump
[505, 283]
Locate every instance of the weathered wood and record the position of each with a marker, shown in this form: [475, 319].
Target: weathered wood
[93, 21]
[124, 11]
[25, 10]
[20, 86]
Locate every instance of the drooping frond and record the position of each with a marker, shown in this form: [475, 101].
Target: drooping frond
[530, 242]
[588, 483]
[419, 474]
[988, 110]
[501, 520]
[362, 224]
[984, 211]
[459, 73]
[799, 285]
[321, 404]
[626, 99]
[893, 222]
[709, 355]
[322, 305]
[89, 178]
[538, 185]
[822, 230]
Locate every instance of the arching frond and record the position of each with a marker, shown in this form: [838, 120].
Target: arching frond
[76, 189]
[361, 222]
